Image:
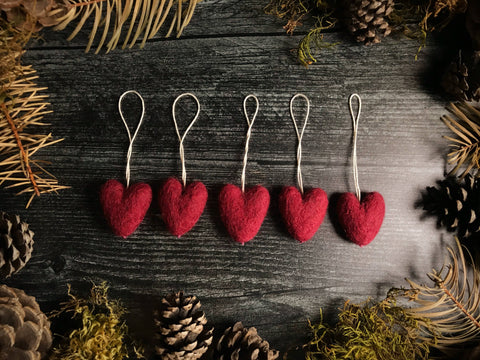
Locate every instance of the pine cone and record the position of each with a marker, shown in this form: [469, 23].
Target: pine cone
[367, 19]
[31, 15]
[24, 328]
[239, 343]
[16, 244]
[182, 334]
[462, 77]
[456, 204]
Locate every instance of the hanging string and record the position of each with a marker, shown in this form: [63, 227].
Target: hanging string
[355, 120]
[300, 137]
[130, 138]
[180, 137]
[249, 132]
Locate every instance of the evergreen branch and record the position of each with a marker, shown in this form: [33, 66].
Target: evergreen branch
[22, 106]
[452, 303]
[465, 150]
[140, 17]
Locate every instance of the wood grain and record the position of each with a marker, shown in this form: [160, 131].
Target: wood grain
[232, 49]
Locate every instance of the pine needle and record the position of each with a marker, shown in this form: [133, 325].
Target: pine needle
[452, 304]
[142, 18]
[465, 148]
[22, 105]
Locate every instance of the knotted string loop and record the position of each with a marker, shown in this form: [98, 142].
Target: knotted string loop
[181, 138]
[249, 132]
[130, 137]
[299, 136]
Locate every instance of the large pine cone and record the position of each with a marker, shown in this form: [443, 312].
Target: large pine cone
[456, 204]
[30, 15]
[24, 328]
[367, 20]
[462, 77]
[181, 328]
[16, 244]
[239, 343]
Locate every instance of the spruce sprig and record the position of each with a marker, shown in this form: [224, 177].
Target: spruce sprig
[23, 106]
[452, 304]
[124, 21]
[465, 148]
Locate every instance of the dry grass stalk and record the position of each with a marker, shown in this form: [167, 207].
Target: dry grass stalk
[23, 105]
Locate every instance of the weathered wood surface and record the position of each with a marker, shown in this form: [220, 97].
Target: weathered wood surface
[232, 49]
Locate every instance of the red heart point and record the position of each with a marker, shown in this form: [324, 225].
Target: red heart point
[243, 212]
[125, 208]
[181, 207]
[303, 215]
[361, 221]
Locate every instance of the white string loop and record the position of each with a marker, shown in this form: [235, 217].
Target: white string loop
[130, 138]
[249, 132]
[300, 137]
[355, 120]
[181, 138]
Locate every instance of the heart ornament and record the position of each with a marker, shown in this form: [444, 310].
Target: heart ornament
[243, 212]
[361, 220]
[360, 216]
[180, 206]
[124, 208]
[302, 212]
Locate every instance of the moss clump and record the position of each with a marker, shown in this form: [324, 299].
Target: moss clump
[371, 331]
[102, 332]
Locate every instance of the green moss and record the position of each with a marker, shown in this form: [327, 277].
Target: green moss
[371, 331]
[102, 333]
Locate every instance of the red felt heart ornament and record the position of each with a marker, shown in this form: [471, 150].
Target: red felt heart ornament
[181, 207]
[125, 208]
[243, 212]
[361, 220]
[303, 215]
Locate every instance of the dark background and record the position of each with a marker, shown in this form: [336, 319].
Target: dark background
[231, 49]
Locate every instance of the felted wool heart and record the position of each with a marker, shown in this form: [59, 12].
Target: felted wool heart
[243, 212]
[361, 221]
[181, 207]
[125, 208]
[303, 215]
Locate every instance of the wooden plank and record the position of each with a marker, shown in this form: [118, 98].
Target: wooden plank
[273, 282]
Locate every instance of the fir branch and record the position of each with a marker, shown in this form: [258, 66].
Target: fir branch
[465, 148]
[451, 304]
[135, 17]
[23, 105]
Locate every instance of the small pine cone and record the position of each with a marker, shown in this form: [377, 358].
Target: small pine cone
[456, 204]
[16, 244]
[24, 329]
[181, 328]
[367, 20]
[462, 77]
[239, 343]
